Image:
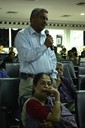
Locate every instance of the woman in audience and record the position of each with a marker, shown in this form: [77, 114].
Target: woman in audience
[37, 113]
[82, 56]
[43, 110]
[63, 53]
[9, 59]
[75, 52]
[66, 89]
[71, 57]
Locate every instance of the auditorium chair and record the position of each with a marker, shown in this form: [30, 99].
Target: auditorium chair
[81, 82]
[80, 108]
[66, 74]
[82, 63]
[9, 90]
[12, 69]
[81, 70]
[70, 66]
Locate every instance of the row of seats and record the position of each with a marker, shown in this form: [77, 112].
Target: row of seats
[12, 70]
[9, 88]
[73, 69]
[80, 93]
[82, 63]
[77, 78]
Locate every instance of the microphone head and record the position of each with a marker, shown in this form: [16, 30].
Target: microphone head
[46, 32]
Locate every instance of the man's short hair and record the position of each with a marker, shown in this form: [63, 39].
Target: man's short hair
[36, 11]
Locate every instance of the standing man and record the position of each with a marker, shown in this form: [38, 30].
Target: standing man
[35, 54]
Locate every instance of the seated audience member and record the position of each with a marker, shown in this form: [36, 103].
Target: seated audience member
[9, 59]
[43, 110]
[82, 56]
[75, 52]
[66, 89]
[63, 52]
[71, 57]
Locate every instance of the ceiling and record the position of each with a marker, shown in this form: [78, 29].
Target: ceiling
[59, 10]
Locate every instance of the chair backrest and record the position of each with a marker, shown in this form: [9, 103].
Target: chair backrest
[80, 108]
[81, 82]
[66, 74]
[12, 69]
[70, 66]
[82, 63]
[9, 92]
[81, 70]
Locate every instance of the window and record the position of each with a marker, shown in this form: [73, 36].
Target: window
[4, 37]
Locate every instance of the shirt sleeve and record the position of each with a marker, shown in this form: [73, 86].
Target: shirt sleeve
[36, 110]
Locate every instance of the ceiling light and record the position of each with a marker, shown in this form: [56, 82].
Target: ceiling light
[82, 14]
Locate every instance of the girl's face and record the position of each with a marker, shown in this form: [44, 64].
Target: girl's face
[43, 84]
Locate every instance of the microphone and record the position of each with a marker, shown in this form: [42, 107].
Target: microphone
[47, 34]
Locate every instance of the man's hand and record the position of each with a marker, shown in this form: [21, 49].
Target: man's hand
[49, 41]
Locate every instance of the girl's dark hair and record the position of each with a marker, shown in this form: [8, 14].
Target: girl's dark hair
[37, 78]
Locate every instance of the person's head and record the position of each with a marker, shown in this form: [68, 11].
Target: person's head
[11, 55]
[41, 82]
[74, 50]
[83, 54]
[60, 69]
[63, 51]
[38, 19]
[70, 53]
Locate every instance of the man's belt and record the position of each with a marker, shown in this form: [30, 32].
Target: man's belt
[26, 75]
